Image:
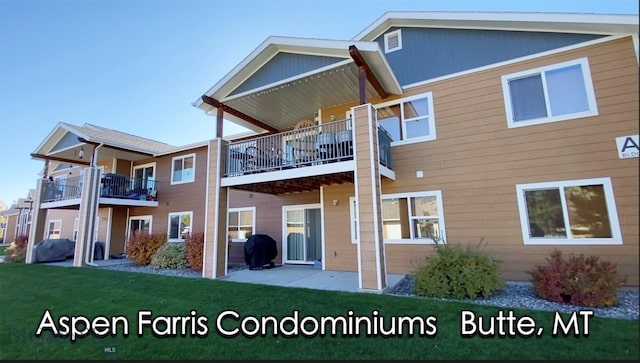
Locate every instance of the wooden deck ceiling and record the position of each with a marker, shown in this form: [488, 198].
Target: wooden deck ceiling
[297, 185]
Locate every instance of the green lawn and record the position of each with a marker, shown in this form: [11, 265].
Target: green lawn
[26, 291]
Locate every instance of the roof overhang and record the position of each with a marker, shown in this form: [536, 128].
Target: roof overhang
[65, 142]
[608, 24]
[281, 104]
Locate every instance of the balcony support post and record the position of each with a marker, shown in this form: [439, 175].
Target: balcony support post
[372, 275]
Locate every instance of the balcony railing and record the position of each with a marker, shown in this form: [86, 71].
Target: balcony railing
[53, 191]
[122, 187]
[111, 186]
[384, 145]
[315, 145]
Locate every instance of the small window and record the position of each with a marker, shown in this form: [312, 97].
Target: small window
[242, 222]
[413, 218]
[554, 93]
[55, 229]
[392, 41]
[353, 209]
[578, 212]
[183, 169]
[179, 226]
[409, 119]
[76, 225]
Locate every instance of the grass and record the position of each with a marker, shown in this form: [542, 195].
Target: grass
[26, 291]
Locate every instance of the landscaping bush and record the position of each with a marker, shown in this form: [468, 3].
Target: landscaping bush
[194, 244]
[170, 255]
[17, 250]
[577, 280]
[142, 246]
[459, 273]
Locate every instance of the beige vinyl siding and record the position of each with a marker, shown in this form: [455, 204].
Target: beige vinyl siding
[177, 197]
[67, 217]
[268, 216]
[477, 161]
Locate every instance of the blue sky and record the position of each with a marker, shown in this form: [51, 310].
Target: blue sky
[137, 65]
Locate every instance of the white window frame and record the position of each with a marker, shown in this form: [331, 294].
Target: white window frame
[430, 117]
[355, 221]
[139, 218]
[153, 178]
[253, 220]
[396, 33]
[173, 182]
[439, 217]
[49, 229]
[616, 236]
[588, 84]
[179, 214]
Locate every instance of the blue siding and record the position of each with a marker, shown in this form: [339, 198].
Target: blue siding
[283, 66]
[430, 52]
[69, 139]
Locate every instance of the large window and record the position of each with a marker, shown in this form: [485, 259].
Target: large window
[413, 217]
[554, 93]
[183, 169]
[568, 212]
[179, 226]
[242, 222]
[55, 229]
[409, 119]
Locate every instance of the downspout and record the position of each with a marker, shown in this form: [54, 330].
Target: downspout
[92, 223]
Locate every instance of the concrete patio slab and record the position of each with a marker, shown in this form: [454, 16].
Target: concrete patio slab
[306, 277]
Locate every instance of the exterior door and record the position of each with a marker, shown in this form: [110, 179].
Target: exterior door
[302, 234]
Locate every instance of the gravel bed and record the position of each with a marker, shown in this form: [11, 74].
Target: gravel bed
[520, 295]
[514, 295]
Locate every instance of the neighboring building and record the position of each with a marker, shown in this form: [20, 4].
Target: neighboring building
[518, 129]
[16, 221]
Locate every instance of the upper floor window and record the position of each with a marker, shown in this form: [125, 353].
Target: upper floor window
[553, 93]
[568, 212]
[179, 226]
[183, 169]
[408, 120]
[242, 222]
[393, 41]
[413, 217]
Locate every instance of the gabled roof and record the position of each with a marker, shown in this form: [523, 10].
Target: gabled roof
[65, 141]
[303, 100]
[545, 22]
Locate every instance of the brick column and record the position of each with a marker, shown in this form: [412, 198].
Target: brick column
[371, 259]
[214, 263]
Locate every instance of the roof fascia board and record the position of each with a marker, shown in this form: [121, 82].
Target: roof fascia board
[548, 22]
[270, 48]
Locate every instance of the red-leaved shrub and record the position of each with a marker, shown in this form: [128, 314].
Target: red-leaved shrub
[195, 246]
[577, 280]
[142, 245]
[17, 250]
